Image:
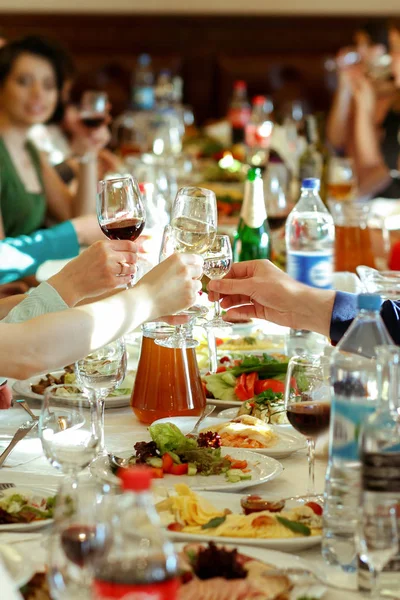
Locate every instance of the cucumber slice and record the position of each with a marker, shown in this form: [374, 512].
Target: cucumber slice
[154, 461]
[192, 469]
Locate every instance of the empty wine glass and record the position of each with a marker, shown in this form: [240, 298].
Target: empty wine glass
[102, 372]
[120, 210]
[217, 263]
[93, 109]
[81, 535]
[307, 403]
[377, 539]
[69, 428]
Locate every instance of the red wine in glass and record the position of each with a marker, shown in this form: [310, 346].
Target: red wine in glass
[92, 121]
[128, 228]
[309, 418]
[83, 543]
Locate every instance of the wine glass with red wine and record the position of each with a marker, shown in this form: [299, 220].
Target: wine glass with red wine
[307, 403]
[120, 209]
[94, 109]
[81, 536]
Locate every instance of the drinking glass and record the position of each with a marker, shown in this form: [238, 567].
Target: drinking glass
[377, 539]
[341, 183]
[93, 109]
[307, 403]
[217, 263]
[102, 372]
[194, 219]
[81, 536]
[120, 210]
[69, 428]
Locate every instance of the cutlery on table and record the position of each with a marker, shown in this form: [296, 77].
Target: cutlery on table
[18, 436]
[26, 407]
[208, 409]
[6, 486]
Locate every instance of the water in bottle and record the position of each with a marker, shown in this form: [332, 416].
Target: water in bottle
[310, 238]
[354, 397]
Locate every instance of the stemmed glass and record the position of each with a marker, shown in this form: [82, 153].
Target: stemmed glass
[81, 536]
[377, 539]
[217, 263]
[69, 428]
[93, 109]
[120, 210]
[341, 178]
[307, 403]
[102, 372]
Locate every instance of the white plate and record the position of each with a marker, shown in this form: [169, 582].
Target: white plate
[231, 413]
[23, 388]
[19, 567]
[262, 468]
[281, 560]
[288, 442]
[30, 490]
[232, 501]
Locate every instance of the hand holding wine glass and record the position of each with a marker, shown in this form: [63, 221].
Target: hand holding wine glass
[307, 403]
[120, 210]
[94, 109]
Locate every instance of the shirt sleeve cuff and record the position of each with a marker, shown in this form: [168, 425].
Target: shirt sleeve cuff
[344, 311]
[43, 299]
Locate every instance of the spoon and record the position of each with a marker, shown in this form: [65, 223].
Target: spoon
[118, 462]
[208, 409]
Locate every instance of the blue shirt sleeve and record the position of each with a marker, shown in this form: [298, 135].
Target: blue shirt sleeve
[22, 255]
[345, 310]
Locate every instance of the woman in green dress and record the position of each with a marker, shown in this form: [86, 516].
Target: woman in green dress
[32, 74]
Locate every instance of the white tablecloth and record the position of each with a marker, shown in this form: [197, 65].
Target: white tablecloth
[122, 430]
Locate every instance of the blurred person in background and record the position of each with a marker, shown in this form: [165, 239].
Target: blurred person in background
[364, 119]
[32, 74]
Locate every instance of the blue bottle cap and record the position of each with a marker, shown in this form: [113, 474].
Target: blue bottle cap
[369, 302]
[310, 184]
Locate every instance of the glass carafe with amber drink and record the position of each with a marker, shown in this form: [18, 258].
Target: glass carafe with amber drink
[354, 243]
[168, 382]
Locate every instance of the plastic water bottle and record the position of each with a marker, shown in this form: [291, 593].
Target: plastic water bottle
[354, 397]
[310, 237]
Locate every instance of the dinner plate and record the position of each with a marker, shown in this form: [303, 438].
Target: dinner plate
[19, 567]
[231, 413]
[23, 388]
[262, 469]
[232, 502]
[288, 442]
[281, 560]
[31, 491]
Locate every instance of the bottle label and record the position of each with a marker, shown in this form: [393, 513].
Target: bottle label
[144, 98]
[312, 268]
[106, 590]
[381, 471]
[347, 418]
[239, 117]
[253, 210]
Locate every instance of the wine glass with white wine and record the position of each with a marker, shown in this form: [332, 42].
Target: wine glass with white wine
[217, 263]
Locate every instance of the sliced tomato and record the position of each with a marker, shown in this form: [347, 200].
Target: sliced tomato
[315, 507]
[224, 359]
[175, 527]
[241, 392]
[179, 469]
[269, 384]
[167, 462]
[263, 521]
[251, 379]
[238, 464]
[242, 379]
[157, 472]
[219, 341]
[221, 369]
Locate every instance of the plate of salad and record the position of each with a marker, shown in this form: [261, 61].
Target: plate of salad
[200, 463]
[35, 387]
[25, 509]
[248, 378]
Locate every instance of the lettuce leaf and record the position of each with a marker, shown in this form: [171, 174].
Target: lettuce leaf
[169, 438]
[222, 386]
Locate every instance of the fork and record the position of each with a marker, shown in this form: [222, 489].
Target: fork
[27, 408]
[6, 486]
[194, 433]
[21, 432]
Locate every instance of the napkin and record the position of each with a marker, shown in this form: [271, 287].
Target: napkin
[24, 452]
[8, 591]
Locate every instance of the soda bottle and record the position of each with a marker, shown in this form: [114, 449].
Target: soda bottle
[310, 238]
[239, 112]
[253, 237]
[142, 562]
[354, 397]
[143, 87]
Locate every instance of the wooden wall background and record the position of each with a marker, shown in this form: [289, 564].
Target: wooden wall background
[276, 55]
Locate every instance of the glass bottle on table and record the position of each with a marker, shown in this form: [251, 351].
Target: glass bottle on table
[311, 161]
[253, 237]
[102, 372]
[239, 112]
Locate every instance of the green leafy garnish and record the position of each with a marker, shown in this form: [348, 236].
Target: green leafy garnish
[215, 522]
[169, 438]
[294, 526]
[268, 396]
[208, 461]
[249, 340]
[268, 367]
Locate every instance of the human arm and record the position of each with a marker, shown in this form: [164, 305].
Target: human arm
[55, 339]
[338, 121]
[367, 146]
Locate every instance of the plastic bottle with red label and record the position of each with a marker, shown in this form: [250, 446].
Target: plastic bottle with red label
[142, 563]
[239, 111]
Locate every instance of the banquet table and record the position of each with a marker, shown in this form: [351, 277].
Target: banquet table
[122, 429]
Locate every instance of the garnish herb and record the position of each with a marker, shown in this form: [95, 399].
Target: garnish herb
[295, 527]
[215, 522]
